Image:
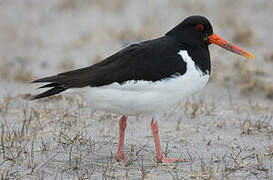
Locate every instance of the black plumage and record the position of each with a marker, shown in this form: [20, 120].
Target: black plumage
[152, 60]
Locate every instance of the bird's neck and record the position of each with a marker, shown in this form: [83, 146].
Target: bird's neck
[199, 54]
[201, 58]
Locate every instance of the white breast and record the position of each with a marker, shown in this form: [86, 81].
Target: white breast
[145, 97]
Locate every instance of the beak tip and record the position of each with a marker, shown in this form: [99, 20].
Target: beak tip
[251, 56]
[215, 39]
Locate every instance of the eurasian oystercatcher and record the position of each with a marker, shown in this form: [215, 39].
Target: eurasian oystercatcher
[148, 77]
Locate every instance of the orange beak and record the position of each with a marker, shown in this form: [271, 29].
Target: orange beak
[215, 39]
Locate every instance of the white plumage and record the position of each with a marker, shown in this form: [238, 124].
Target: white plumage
[145, 97]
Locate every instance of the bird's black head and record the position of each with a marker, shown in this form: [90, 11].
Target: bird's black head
[194, 31]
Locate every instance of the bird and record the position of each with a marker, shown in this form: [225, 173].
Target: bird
[148, 77]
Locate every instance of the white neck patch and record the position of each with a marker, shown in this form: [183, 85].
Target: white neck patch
[190, 63]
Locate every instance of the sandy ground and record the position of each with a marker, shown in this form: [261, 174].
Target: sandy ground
[224, 132]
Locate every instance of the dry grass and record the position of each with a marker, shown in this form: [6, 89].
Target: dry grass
[29, 147]
[259, 126]
[198, 108]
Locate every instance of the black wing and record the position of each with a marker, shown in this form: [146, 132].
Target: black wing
[151, 61]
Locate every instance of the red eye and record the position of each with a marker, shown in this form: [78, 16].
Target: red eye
[199, 27]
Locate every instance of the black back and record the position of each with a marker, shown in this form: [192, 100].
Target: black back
[150, 61]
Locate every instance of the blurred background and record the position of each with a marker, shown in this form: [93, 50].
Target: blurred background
[40, 38]
[224, 132]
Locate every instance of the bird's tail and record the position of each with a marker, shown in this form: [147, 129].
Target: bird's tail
[61, 82]
[56, 88]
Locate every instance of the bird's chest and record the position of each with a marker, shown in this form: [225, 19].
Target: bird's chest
[192, 80]
[181, 86]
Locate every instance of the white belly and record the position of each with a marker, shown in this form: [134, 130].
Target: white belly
[145, 97]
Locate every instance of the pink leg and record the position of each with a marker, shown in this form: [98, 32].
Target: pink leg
[122, 127]
[159, 155]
